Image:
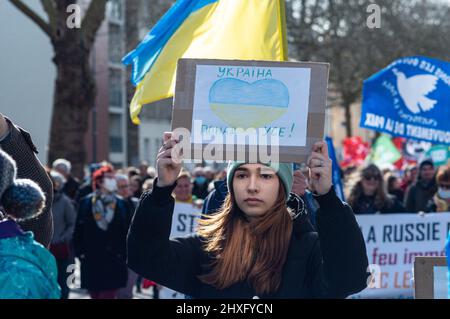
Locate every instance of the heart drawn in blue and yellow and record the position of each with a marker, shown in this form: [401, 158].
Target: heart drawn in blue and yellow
[243, 104]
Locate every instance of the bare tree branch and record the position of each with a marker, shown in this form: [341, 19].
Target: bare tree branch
[49, 7]
[33, 16]
[92, 21]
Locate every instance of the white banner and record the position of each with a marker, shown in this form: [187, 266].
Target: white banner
[184, 220]
[392, 242]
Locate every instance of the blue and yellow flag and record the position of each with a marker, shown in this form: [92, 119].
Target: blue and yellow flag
[219, 29]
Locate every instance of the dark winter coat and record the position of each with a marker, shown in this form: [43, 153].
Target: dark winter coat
[20, 147]
[419, 194]
[102, 253]
[330, 263]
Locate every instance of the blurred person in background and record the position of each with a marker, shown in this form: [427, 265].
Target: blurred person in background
[124, 191]
[86, 187]
[183, 189]
[200, 182]
[136, 186]
[100, 237]
[419, 194]
[64, 217]
[368, 195]
[143, 167]
[133, 171]
[72, 184]
[409, 177]
[209, 174]
[393, 186]
[148, 185]
[151, 172]
[441, 200]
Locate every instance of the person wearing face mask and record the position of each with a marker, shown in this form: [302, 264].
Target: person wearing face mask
[441, 200]
[64, 216]
[100, 237]
[200, 189]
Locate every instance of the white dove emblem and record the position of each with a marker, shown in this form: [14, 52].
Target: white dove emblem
[413, 91]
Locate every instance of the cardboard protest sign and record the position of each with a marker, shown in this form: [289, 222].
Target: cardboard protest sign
[237, 110]
[430, 278]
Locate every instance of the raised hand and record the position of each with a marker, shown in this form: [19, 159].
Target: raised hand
[167, 169]
[320, 166]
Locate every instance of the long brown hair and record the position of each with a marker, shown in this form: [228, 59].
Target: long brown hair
[254, 251]
[382, 199]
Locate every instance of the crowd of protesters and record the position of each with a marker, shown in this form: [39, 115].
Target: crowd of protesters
[91, 218]
[421, 188]
[104, 215]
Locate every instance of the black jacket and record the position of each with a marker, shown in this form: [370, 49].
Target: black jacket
[71, 187]
[102, 253]
[418, 195]
[20, 147]
[366, 205]
[330, 263]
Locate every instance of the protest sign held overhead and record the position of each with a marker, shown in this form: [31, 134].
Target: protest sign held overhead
[237, 110]
[409, 98]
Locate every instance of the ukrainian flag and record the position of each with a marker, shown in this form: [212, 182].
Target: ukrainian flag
[219, 29]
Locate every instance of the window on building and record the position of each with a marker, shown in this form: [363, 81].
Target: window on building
[115, 88]
[115, 133]
[115, 43]
[115, 9]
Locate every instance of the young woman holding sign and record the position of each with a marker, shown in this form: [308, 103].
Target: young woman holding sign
[253, 246]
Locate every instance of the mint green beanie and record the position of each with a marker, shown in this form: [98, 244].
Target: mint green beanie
[284, 171]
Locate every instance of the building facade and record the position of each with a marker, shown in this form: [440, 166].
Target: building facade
[106, 138]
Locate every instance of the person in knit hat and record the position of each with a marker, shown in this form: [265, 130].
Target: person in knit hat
[252, 246]
[23, 200]
[27, 269]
